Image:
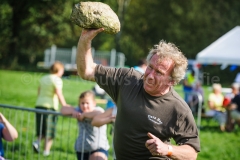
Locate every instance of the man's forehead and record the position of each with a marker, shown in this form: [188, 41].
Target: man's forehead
[161, 60]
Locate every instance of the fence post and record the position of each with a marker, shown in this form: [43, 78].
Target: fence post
[47, 58]
[53, 54]
[200, 100]
[121, 59]
[113, 58]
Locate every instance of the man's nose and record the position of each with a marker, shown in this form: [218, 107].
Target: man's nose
[151, 74]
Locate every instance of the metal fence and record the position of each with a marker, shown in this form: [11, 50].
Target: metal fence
[68, 57]
[23, 119]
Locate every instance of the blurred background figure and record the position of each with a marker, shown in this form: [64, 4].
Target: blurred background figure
[7, 132]
[49, 96]
[233, 115]
[141, 66]
[98, 91]
[188, 84]
[237, 78]
[194, 103]
[215, 104]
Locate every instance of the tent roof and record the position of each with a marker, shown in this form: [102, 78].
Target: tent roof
[224, 51]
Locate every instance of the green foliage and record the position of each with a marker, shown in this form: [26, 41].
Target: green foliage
[191, 25]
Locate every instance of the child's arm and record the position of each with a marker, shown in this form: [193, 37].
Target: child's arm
[60, 96]
[103, 118]
[9, 132]
[66, 110]
[90, 115]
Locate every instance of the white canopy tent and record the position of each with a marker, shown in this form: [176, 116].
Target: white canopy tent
[224, 51]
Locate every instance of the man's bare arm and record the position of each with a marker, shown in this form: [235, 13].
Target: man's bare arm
[85, 64]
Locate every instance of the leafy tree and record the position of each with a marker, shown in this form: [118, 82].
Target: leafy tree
[28, 27]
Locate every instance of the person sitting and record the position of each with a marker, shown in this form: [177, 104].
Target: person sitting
[215, 103]
[234, 108]
[7, 132]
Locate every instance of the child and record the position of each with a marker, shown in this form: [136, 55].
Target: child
[49, 96]
[108, 116]
[92, 142]
[7, 132]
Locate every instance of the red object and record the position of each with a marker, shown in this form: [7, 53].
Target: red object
[226, 101]
[199, 65]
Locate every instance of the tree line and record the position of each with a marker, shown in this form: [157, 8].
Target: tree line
[28, 27]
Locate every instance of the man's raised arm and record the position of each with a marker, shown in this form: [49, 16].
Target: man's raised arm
[85, 64]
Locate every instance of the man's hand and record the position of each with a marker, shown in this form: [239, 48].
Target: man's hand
[87, 35]
[156, 146]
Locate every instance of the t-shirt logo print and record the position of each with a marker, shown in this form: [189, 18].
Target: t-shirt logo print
[154, 119]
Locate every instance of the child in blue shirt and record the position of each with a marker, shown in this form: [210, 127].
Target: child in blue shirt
[7, 132]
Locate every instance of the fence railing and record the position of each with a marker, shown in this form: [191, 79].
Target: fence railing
[23, 119]
[68, 57]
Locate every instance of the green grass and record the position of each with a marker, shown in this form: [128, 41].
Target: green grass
[20, 89]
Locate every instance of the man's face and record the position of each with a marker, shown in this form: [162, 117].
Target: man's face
[157, 79]
[87, 104]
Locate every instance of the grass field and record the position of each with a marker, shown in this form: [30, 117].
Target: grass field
[20, 89]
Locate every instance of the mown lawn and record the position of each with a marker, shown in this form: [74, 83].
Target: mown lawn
[20, 89]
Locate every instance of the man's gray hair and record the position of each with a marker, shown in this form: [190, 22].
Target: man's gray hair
[169, 50]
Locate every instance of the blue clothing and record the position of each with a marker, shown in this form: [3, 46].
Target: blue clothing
[139, 69]
[110, 104]
[1, 136]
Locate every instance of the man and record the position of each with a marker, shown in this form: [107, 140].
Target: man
[150, 112]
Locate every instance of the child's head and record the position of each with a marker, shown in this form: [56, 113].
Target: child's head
[87, 101]
[57, 68]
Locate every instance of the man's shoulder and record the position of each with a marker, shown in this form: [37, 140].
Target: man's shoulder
[177, 99]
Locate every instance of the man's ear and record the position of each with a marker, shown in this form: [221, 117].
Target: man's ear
[171, 83]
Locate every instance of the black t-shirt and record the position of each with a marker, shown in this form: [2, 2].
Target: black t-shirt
[166, 116]
[236, 100]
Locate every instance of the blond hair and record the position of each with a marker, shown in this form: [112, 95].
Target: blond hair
[216, 86]
[55, 67]
[169, 50]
